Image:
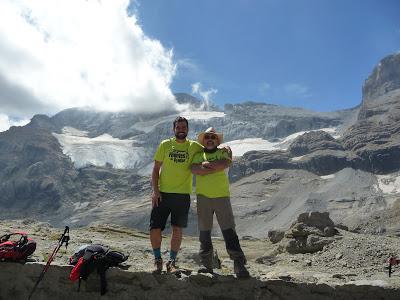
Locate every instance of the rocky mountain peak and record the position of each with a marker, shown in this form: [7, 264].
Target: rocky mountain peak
[41, 121]
[384, 78]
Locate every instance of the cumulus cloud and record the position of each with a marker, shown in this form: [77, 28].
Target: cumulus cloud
[197, 89]
[76, 53]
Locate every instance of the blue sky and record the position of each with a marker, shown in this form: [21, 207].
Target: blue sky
[307, 53]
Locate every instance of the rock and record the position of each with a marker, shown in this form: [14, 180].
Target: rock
[313, 141]
[275, 236]
[310, 233]
[308, 263]
[317, 220]
[384, 78]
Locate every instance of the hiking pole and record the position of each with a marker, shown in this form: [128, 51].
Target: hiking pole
[63, 239]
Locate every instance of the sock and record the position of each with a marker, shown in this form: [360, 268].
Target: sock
[173, 254]
[157, 253]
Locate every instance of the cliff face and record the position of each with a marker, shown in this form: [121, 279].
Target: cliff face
[384, 78]
[375, 138]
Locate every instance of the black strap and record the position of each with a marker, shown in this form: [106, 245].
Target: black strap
[101, 270]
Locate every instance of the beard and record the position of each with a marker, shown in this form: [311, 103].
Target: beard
[181, 135]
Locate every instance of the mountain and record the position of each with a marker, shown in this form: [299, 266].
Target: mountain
[80, 166]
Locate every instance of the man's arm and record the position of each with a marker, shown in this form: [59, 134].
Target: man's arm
[155, 175]
[207, 167]
[217, 165]
[199, 169]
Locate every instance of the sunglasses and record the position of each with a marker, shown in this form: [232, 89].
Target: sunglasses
[210, 137]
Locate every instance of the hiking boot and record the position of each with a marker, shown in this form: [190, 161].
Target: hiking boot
[240, 269]
[203, 270]
[171, 267]
[158, 265]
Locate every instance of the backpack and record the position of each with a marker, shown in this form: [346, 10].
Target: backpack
[94, 257]
[16, 249]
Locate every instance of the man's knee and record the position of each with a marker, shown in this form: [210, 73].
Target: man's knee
[177, 232]
[177, 229]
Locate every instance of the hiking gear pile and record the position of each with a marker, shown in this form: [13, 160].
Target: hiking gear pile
[18, 249]
[94, 257]
[64, 239]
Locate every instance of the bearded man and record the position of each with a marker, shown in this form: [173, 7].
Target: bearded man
[172, 185]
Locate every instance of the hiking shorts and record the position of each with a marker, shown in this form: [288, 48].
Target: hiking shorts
[177, 205]
[206, 207]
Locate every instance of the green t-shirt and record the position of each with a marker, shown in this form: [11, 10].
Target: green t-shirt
[176, 158]
[215, 185]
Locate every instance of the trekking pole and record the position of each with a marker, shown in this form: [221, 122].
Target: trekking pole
[63, 239]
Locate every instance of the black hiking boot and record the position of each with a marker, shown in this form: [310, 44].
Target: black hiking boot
[240, 269]
[158, 265]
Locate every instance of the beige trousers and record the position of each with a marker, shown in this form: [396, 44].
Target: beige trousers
[206, 207]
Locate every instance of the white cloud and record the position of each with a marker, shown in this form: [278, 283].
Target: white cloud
[6, 123]
[187, 64]
[74, 53]
[297, 90]
[197, 89]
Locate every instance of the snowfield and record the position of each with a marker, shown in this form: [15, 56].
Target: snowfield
[240, 147]
[100, 150]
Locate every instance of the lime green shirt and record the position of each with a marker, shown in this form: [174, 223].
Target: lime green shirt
[176, 158]
[215, 185]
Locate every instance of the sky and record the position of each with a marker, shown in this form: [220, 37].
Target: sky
[308, 53]
[121, 55]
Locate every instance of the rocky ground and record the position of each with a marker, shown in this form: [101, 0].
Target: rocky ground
[349, 258]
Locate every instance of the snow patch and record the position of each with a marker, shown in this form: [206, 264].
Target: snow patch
[297, 158]
[389, 184]
[328, 176]
[239, 147]
[73, 131]
[100, 150]
[202, 115]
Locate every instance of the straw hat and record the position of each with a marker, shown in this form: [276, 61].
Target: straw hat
[210, 130]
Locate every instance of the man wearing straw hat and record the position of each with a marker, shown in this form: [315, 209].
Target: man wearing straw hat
[212, 190]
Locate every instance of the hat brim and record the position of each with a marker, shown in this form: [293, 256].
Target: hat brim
[220, 136]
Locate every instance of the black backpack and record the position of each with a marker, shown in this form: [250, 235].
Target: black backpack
[94, 257]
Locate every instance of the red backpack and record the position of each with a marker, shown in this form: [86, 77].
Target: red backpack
[16, 249]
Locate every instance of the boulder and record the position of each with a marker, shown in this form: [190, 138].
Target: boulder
[310, 233]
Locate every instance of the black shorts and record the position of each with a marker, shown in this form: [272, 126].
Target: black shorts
[175, 204]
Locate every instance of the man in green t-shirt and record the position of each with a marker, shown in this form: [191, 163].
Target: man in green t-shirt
[172, 185]
[212, 190]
